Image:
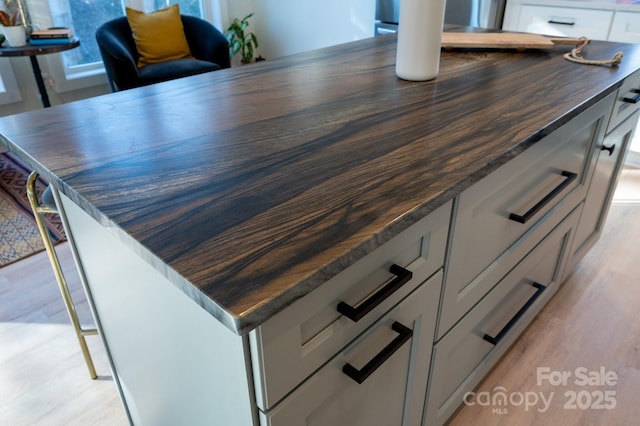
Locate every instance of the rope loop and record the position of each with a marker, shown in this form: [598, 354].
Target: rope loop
[576, 56]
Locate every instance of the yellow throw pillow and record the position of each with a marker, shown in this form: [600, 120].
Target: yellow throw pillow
[159, 35]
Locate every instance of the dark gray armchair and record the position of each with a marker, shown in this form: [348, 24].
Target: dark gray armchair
[208, 46]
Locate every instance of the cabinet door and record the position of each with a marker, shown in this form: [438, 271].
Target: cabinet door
[627, 101]
[603, 184]
[536, 187]
[297, 341]
[393, 394]
[475, 344]
[625, 27]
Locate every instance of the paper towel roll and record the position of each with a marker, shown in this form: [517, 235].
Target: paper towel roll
[419, 39]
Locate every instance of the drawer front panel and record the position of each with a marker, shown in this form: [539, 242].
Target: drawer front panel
[566, 22]
[395, 391]
[486, 243]
[468, 351]
[297, 341]
[627, 102]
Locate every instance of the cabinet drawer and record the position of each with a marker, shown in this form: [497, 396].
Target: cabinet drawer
[394, 392]
[564, 21]
[627, 102]
[297, 341]
[486, 242]
[465, 354]
[625, 27]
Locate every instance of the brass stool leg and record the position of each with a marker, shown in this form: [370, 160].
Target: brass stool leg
[81, 333]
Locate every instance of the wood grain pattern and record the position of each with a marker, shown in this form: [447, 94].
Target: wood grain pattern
[477, 40]
[256, 184]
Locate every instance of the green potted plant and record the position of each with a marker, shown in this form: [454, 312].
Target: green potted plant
[241, 41]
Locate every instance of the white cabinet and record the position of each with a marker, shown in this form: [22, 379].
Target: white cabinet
[294, 343]
[625, 27]
[188, 368]
[595, 20]
[610, 158]
[603, 185]
[565, 21]
[379, 379]
[512, 236]
[166, 351]
[627, 101]
[469, 350]
[363, 347]
[356, 350]
[500, 218]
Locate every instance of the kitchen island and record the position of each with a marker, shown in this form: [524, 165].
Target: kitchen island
[220, 220]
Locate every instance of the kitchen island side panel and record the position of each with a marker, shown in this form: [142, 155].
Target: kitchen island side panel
[174, 362]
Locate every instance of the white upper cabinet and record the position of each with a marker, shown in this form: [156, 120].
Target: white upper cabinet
[565, 21]
[625, 27]
[595, 20]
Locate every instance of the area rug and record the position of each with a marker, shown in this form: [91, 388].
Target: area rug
[19, 235]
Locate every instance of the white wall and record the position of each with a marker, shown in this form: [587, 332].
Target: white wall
[285, 27]
[239, 9]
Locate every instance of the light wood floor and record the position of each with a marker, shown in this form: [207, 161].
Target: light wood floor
[43, 378]
[593, 321]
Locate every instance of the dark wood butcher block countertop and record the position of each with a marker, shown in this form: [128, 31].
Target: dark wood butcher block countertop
[256, 184]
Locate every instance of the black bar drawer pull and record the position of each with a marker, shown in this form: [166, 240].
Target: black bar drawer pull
[355, 314]
[516, 317]
[404, 334]
[557, 21]
[632, 100]
[569, 177]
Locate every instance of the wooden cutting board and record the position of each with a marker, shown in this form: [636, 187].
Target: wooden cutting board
[519, 41]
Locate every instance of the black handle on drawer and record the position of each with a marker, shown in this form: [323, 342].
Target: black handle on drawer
[554, 21]
[404, 334]
[569, 177]
[516, 317]
[633, 99]
[355, 314]
[611, 149]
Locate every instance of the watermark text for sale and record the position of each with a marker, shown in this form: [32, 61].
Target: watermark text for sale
[582, 389]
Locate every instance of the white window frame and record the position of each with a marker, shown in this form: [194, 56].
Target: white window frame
[66, 79]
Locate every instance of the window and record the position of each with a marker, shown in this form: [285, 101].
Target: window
[82, 67]
[84, 16]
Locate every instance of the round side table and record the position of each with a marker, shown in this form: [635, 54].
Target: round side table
[32, 52]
